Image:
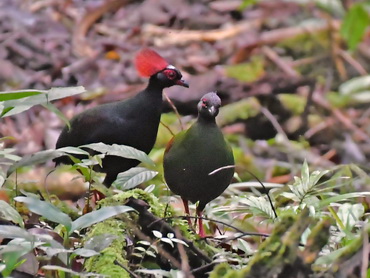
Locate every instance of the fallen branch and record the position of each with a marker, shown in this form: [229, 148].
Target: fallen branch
[166, 36]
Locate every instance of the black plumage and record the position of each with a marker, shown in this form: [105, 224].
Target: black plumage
[133, 122]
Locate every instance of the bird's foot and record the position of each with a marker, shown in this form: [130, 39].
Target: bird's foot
[202, 234]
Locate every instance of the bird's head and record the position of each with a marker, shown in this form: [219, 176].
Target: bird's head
[150, 64]
[208, 106]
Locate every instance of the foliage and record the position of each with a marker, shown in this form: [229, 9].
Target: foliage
[317, 220]
[247, 72]
[355, 24]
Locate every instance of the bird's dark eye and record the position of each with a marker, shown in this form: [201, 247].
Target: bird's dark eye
[170, 74]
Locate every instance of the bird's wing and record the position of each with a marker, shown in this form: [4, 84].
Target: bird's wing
[169, 145]
[95, 126]
[175, 139]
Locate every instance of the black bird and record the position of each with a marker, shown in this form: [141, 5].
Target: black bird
[133, 122]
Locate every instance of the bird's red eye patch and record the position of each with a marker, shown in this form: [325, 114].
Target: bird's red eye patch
[204, 102]
[171, 74]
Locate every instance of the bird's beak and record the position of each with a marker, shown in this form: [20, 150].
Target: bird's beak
[212, 110]
[182, 83]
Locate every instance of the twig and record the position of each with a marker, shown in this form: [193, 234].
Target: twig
[306, 110]
[365, 253]
[274, 122]
[168, 128]
[36, 6]
[45, 184]
[266, 192]
[244, 234]
[185, 267]
[88, 193]
[220, 169]
[204, 218]
[150, 220]
[161, 251]
[174, 109]
[350, 60]
[340, 116]
[279, 129]
[166, 36]
[317, 128]
[284, 66]
[335, 48]
[132, 274]
[308, 60]
[204, 268]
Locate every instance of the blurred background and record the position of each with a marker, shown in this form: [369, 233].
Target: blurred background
[292, 75]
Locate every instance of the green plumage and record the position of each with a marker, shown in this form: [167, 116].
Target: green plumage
[193, 154]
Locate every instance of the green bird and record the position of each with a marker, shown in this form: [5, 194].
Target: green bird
[198, 163]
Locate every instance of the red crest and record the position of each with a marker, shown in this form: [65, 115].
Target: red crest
[149, 62]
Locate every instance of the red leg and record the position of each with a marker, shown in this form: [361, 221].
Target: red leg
[200, 221]
[186, 206]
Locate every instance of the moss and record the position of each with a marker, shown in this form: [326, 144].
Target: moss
[64, 207]
[158, 208]
[317, 239]
[105, 262]
[224, 270]
[275, 252]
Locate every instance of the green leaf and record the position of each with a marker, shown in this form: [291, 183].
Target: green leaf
[354, 25]
[247, 72]
[308, 184]
[57, 112]
[62, 92]
[120, 150]
[7, 231]
[305, 177]
[328, 259]
[294, 103]
[9, 213]
[13, 252]
[340, 198]
[246, 3]
[83, 252]
[44, 156]
[73, 150]
[355, 85]
[350, 214]
[244, 246]
[260, 206]
[100, 242]
[168, 241]
[356, 90]
[97, 216]
[15, 106]
[157, 234]
[19, 94]
[241, 110]
[133, 177]
[148, 189]
[7, 154]
[46, 210]
[179, 241]
[37, 158]
[159, 272]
